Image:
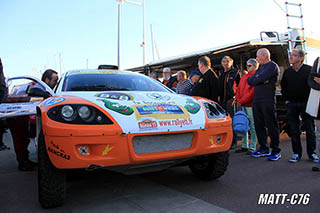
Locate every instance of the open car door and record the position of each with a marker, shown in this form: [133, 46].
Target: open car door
[24, 94]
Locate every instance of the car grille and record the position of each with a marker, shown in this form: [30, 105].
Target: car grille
[160, 143]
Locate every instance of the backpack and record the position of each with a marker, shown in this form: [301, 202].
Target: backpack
[240, 122]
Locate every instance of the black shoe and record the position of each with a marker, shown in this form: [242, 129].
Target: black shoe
[241, 150]
[4, 147]
[27, 166]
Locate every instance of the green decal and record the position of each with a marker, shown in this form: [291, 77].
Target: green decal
[192, 107]
[122, 109]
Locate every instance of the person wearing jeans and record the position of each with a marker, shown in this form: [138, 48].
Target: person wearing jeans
[296, 98]
[244, 98]
[264, 106]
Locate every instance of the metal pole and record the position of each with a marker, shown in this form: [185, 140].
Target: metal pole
[152, 40]
[144, 29]
[119, 36]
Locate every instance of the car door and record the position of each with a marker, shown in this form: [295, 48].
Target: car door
[19, 100]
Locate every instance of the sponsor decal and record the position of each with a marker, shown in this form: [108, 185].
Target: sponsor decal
[147, 124]
[211, 140]
[158, 96]
[107, 150]
[53, 101]
[176, 122]
[115, 96]
[119, 108]
[57, 151]
[192, 106]
[160, 111]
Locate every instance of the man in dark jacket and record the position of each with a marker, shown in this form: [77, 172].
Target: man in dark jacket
[207, 86]
[168, 80]
[314, 83]
[296, 98]
[264, 106]
[229, 79]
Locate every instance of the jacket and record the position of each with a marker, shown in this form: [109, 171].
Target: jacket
[207, 86]
[228, 83]
[171, 83]
[291, 78]
[245, 92]
[264, 82]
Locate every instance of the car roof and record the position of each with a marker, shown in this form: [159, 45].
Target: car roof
[98, 71]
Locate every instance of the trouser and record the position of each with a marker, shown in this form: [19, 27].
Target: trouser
[296, 109]
[318, 135]
[265, 123]
[20, 135]
[245, 136]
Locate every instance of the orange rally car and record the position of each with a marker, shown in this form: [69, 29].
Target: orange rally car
[125, 122]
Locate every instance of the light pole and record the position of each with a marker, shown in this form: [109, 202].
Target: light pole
[143, 44]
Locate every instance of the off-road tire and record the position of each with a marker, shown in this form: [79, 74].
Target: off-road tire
[211, 166]
[51, 181]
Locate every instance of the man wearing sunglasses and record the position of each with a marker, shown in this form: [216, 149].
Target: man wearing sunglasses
[296, 98]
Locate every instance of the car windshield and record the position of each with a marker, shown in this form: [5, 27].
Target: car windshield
[111, 82]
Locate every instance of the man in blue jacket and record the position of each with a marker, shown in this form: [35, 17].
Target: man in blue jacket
[264, 106]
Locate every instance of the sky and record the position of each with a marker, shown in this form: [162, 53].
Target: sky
[76, 34]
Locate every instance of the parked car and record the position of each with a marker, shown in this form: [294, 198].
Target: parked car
[125, 122]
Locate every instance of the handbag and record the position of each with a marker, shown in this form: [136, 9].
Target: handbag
[313, 100]
[240, 122]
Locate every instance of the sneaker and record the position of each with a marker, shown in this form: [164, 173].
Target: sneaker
[260, 153]
[295, 158]
[316, 167]
[314, 157]
[250, 151]
[274, 156]
[241, 150]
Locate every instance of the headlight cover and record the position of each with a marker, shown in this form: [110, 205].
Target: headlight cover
[67, 112]
[214, 110]
[78, 114]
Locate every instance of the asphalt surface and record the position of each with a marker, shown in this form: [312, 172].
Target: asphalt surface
[173, 190]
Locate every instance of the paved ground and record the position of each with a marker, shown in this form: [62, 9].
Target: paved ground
[174, 190]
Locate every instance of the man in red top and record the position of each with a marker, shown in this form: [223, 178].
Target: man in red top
[244, 98]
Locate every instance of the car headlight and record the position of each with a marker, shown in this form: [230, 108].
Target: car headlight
[84, 112]
[67, 112]
[78, 114]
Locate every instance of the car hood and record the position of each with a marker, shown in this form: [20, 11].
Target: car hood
[138, 112]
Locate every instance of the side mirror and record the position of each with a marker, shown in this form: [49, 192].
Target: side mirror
[37, 92]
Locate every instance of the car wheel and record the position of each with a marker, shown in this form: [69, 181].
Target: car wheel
[51, 181]
[211, 166]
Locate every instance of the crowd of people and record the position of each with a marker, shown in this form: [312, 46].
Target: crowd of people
[255, 93]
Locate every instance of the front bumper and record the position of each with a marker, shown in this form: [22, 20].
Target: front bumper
[75, 146]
